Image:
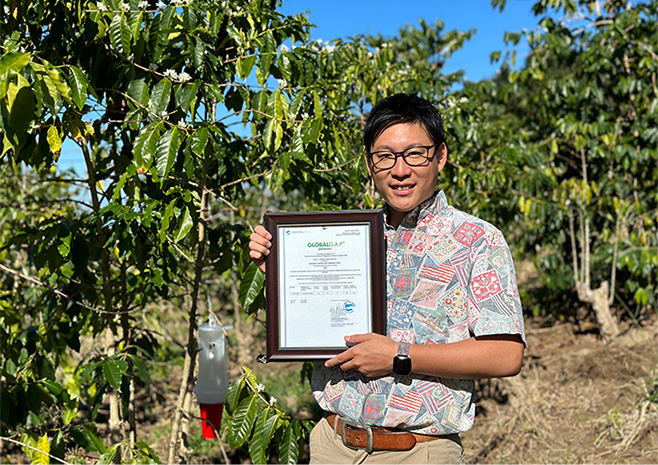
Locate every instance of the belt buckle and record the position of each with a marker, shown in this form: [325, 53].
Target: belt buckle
[368, 430]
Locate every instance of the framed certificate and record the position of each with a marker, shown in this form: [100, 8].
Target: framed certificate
[325, 279]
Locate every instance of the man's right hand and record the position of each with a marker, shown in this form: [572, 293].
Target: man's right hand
[259, 246]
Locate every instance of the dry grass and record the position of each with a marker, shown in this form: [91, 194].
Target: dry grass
[577, 400]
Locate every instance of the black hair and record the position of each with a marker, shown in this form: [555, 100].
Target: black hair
[403, 108]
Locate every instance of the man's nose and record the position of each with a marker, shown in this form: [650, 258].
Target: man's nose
[400, 168]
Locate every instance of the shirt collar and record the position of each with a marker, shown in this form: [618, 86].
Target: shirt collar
[434, 204]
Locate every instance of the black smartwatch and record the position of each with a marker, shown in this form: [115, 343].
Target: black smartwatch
[402, 362]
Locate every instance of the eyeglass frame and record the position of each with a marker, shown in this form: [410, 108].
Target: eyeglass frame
[401, 154]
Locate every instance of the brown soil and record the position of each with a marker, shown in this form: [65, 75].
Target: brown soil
[577, 400]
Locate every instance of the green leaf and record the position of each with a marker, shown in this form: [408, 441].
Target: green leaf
[317, 104]
[113, 372]
[316, 128]
[10, 65]
[199, 141]
[145, 145]
[119, 186]
[160, 96]
[120, 34]
[185, 95]
[235, 389]
[109, 455]
[242, 422]
[166, 219]
[47, 84]
[267, 133]
[95, 441]
[198, 52]
[138, 90]
[166, 152]
[296, 104]
[21, 113]
[278, 131]
[65, 245]
[289, 445]
[251, 285]
[78, 84]
[185, 224]
[70, 412]
[264, 429]
[245, 65]
[280, 105]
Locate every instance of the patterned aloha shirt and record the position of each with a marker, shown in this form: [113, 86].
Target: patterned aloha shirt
[449, 275]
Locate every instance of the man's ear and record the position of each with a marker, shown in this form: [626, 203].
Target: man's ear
[442, 153]
[368, 164]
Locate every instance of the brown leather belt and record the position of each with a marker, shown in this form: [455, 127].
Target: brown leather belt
[370, 439]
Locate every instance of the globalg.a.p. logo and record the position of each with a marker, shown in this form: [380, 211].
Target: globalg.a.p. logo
[348, 306]
[326, 244]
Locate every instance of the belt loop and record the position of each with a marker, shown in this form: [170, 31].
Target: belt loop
[336, 417]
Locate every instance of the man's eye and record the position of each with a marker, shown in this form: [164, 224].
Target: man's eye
[384, 155]
[414, 153]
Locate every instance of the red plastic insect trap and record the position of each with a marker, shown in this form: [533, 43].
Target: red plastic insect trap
[212, 383]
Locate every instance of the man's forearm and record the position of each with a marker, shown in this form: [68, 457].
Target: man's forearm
[477, 357]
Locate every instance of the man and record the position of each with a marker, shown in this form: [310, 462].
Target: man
[453, 310]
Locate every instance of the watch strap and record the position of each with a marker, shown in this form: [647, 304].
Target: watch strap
[403, 348]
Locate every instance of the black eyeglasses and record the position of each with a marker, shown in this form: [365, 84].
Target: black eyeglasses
[413, 156]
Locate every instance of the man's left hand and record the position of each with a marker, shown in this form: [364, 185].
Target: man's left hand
[371, 354]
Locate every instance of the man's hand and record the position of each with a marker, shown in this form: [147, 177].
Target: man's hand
[372, 354]
[259, 246]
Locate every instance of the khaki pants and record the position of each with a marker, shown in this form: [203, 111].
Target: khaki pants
[327, 447]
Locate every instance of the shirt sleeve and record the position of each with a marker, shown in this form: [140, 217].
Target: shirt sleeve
[494, 302]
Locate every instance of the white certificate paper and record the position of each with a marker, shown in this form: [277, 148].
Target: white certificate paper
[324, 284]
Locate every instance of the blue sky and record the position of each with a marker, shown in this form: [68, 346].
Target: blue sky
[344, 18]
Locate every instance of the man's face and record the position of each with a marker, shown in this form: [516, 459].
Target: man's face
[405, 187]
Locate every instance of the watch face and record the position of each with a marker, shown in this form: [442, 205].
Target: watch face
[401, 365]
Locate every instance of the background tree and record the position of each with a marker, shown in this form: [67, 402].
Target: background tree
[585, 107]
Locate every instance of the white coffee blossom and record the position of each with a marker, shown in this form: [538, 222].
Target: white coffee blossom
[101, 6]
[143, 4]
[283, 48]
[272, 400]
[161, 5]
[125, 6]
[182, 124]
[171, 74]
[282, 82]
[164, 114]
[184, 77]
[260, 387]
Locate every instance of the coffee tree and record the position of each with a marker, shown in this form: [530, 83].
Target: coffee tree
[584, 107]
[180, 111]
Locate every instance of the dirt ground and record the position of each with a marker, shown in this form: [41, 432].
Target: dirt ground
[577, 400]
